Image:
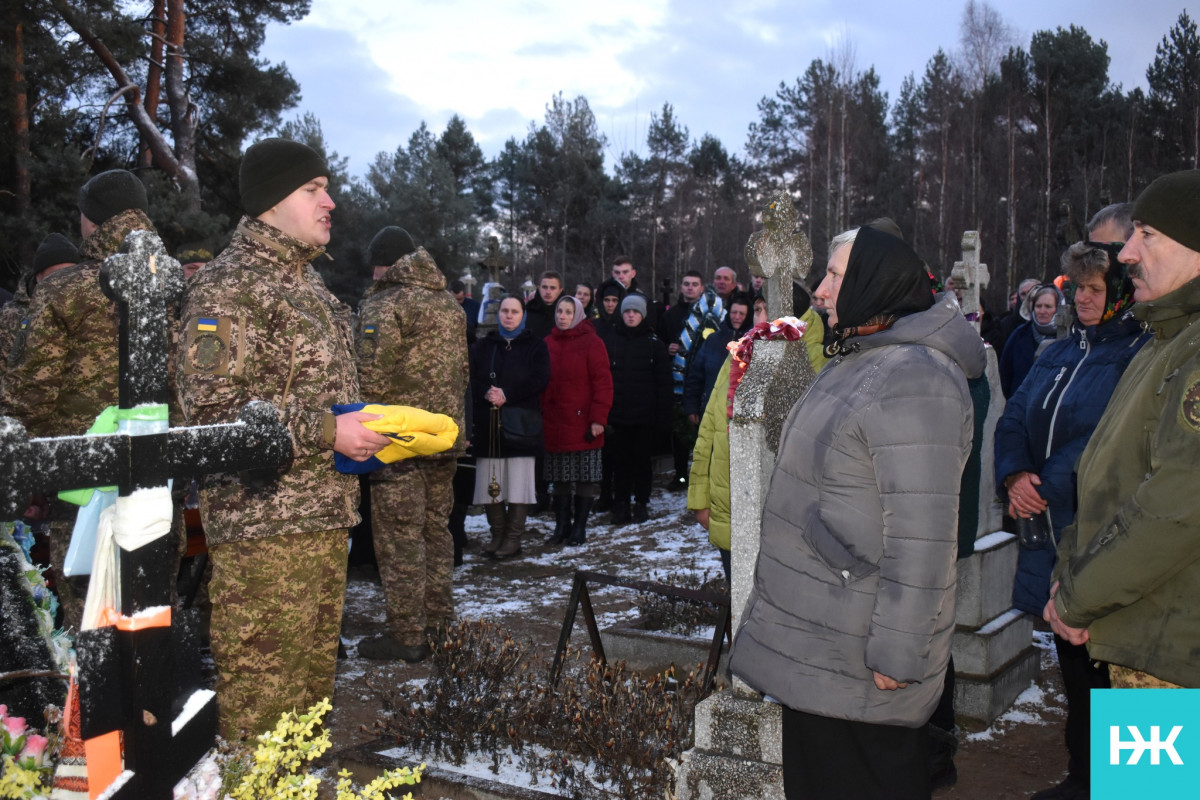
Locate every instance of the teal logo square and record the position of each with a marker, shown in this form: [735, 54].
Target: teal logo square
[1145, 743]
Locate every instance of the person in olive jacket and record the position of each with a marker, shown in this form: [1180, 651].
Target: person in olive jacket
[509, 366]
[642, 396]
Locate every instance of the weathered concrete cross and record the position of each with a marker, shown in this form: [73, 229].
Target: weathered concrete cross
[128, 676]
[971, 276]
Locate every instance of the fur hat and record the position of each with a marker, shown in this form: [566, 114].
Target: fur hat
[1171, 204]
[390, 245]
[110, 193]
[274, 168]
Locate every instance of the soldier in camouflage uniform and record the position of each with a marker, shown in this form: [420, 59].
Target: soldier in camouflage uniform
[258, 323]
[63, 366]
[54, 253]
[412, 351]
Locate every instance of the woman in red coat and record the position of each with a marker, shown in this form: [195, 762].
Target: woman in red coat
[575, 409]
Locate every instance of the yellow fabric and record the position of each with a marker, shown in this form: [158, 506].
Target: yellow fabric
[413, 431]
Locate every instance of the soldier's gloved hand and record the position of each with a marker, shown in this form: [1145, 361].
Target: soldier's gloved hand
[356, 442]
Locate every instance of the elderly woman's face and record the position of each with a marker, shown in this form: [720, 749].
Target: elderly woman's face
[835, 271]
[510, 314]
[564, 314]
[1044, 307]
[1090, 296]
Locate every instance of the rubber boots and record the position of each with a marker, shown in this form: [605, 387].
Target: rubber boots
[583, 506]
[498, 522]
[511, 546]
[562, 519]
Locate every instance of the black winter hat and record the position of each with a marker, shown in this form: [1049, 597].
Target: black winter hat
[110, 193]
[274, 168]
[54, 249]
[1171, 204]
[390, 245]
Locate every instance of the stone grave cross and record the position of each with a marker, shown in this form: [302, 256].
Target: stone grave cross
[972, 276]
[777, 376]
[128, 675]
[779, 253]
[737, 753]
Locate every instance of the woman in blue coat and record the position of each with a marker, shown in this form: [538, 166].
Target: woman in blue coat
[1045, 427]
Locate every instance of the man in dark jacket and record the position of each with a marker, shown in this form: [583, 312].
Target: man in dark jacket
[641, 371]
[1128, 579]
[687, 314]
[539, 311]
[470, 307]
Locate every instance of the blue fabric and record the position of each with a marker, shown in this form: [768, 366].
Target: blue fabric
[348, 466]
[702, 372]
[515, 332]
[1016, 358]
[1059, 402]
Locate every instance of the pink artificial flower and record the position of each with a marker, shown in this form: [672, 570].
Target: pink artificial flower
[3, 711]
[33, 754]
[14, 726]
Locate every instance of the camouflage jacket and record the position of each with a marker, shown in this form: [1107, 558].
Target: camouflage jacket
[259, 324]
[12, 317]
[412, 345]
[63, 367]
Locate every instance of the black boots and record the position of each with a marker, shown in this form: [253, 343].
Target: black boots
[583, 506]
[562, 519]
[511, 545]
[620, 512]
[640, 512]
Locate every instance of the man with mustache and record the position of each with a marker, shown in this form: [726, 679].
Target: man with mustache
[1128, 577]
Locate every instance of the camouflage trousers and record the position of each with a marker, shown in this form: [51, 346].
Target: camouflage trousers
[1126, 678]
[277, 614]
[413, 546]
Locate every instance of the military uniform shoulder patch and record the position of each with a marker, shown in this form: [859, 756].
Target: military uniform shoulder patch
[206, 345]
[368, 341]
[1189, 408]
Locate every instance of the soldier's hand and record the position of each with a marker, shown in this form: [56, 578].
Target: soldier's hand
[356, 442]
[674, 348]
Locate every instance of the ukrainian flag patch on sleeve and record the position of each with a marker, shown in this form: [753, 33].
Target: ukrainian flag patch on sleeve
[206, 323]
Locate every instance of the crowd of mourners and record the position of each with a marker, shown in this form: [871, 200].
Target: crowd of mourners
[562, 401]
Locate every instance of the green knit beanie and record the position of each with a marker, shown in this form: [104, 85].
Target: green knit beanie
[110, 193]
[390, 245]
[1171, 205]
[274, 168]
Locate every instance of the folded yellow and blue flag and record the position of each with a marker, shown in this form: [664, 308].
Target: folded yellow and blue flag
[413, 431]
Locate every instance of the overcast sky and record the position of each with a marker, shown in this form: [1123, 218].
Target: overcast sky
[372, 70]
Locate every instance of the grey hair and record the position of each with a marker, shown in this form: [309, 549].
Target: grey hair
[842, 239]
[1120, 214]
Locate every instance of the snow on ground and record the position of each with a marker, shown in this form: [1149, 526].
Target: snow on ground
[1032, 705]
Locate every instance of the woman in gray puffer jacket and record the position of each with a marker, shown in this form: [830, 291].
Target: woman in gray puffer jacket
[850, 618]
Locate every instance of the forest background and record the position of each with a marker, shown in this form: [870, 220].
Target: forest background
[1022, 141]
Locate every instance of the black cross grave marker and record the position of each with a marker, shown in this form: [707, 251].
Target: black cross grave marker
[127, 679]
